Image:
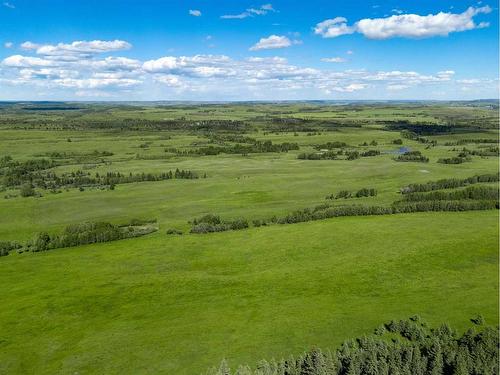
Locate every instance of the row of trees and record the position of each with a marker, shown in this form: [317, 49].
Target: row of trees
[238, 148]
[415, 137]
[473, 140]
[471, 192]
[90, 232]
[330, 145]
[412, 156]
[488, 151]
[345, 194]
[327, 155]
[79, 178]
[15, 173]
[333, 155]
[407, 347]
[454, 160]
[7, 246]
[450, 183]
[213, 223]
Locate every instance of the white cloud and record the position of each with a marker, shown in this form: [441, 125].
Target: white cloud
[350, 52]
[404, 25]
[214, 76]
[351, 87]
[334, 59]
[8, 5]
[251, 12]
[29, 46]
[273, 42]
[333, 28]
[77, 48]
[19, 61]
[8, 44]
[194, 12]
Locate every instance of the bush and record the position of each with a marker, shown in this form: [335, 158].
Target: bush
[411, 156]
[174, 232]
[27, 190]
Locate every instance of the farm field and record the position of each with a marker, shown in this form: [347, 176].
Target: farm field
[240, 231]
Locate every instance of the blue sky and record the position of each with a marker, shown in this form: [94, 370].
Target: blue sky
[248, 50]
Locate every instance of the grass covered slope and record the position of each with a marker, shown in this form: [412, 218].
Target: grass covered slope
[177, 305]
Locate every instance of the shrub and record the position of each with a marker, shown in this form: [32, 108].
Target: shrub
[174, 232]
[27, 190]
[410, 156]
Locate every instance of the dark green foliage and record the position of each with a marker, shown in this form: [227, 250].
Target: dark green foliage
[398, 141]
[345, 194]
[484, 152]
[15, 173]
[471, 192]
[330, 145]
[449, 183]
[478, 320]
[415, 137]
[328, 155]
[7, 246]
[243, 149]
[27, 190]
[174, 231]
[87, 233]
[410, 156]
[454, 160]
[80, 179]
[475, 140]
[213, 223]
[352, 155]
[370, 153]
[444, 205]
[366, 192]
[415, 349]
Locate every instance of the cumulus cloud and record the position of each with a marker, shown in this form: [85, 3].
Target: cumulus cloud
[251, 12]
[8, 44]
[405, 25]
[77, 48]
[212, 76]
[73, 65]
[273, 42]
[334, 59]
[333, 28]
[194, 12]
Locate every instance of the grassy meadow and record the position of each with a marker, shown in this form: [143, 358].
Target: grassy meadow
[178, 304]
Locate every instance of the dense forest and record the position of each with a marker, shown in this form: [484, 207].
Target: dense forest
[405, 347]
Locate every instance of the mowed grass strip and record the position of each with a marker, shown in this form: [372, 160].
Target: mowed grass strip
[177, 305]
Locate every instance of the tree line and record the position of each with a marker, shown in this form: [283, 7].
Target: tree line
[238, 148]
[473, 140]
[88, 233]
[213, 223]
[454, 160]
[345, 194]
[326, 211]
[34, 173]
[405, 347]
[450, 183]
[471, 192]
[412, 156]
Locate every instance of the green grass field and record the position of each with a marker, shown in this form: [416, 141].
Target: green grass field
[179, 304]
